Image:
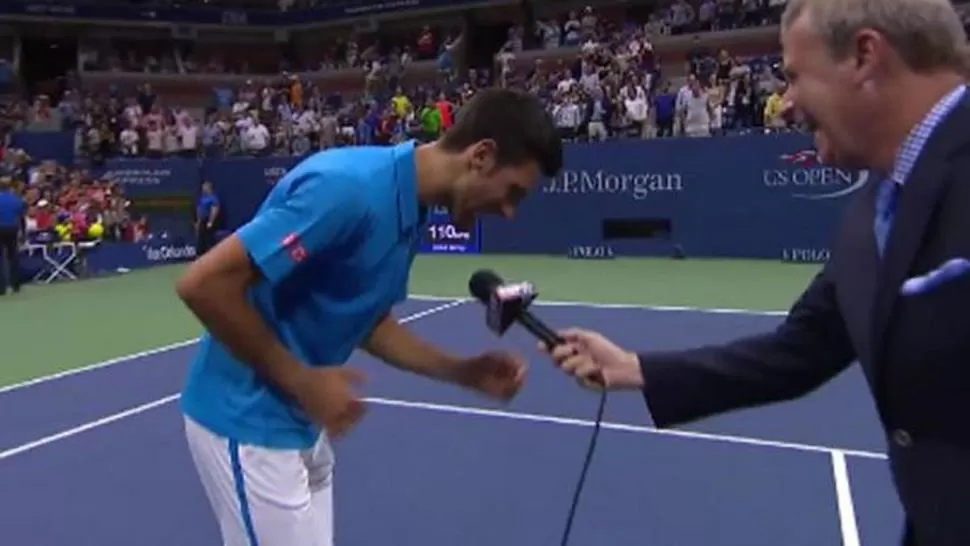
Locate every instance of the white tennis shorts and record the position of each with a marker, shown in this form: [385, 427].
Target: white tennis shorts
[265, 497]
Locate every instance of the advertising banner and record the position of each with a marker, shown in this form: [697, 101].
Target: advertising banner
[758, 196]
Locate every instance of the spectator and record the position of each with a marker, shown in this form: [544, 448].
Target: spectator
[776, 109]
[446, 110]
[430, 119]
[188, 137]
[128, 140]
[598, 111]
[697, 112]
[155, 139]
[567, 115]
[12, 209]
[664, 106]
[637, 107]
[207, 212]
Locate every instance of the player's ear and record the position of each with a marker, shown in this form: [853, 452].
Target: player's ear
[482, 156]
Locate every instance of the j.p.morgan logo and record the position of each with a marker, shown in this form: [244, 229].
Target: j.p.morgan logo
[637, 185]
[806, 177]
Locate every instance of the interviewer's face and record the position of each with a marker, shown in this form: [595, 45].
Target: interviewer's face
[825, 152]
[834, 95]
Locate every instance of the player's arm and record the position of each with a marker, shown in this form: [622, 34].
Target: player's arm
[215, 289]
[307, 225]
[395, 344]
[810, 347]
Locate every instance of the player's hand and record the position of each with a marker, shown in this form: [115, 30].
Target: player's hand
[595, 361]
[327, 396]
[497, 374]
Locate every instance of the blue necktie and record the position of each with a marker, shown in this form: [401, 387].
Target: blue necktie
[885, 209]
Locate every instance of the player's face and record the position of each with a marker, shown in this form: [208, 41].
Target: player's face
[490, 189]
[497, 191]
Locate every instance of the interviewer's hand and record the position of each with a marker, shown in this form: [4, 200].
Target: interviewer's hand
[327, 396]
[594, 361]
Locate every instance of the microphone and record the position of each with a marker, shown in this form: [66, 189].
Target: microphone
[508, 303]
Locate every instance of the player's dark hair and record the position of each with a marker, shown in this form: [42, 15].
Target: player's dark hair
[521, 128]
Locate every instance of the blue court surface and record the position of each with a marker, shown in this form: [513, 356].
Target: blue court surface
[97, 458]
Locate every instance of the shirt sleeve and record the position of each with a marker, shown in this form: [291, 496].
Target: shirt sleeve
[320, 216]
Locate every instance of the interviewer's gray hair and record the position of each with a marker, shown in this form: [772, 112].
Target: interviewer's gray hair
[926, 34]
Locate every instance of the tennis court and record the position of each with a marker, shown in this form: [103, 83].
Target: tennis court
[96, 455]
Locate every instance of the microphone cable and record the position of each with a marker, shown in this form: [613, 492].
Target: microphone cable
[597, 425]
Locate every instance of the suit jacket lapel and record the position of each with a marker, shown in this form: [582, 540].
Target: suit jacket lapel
[915, 208]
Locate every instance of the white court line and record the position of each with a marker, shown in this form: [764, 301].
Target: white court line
[662, 308]
[453, 302]
[843, 494]
[468, 411]
[415, 297]
[154, 404]
[64, 434]
[492, 413]
[95, 366]
[621, 427]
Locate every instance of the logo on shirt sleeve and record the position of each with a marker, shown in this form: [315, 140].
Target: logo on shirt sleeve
[293, 247]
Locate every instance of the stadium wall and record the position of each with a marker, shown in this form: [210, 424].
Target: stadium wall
[756, 196]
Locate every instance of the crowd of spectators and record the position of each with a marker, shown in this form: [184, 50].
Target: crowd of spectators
[68, 204]
[619, 87]
[613, 83]
[615, 86]
[277, 115]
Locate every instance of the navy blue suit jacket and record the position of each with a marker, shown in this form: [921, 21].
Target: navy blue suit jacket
[915, 351]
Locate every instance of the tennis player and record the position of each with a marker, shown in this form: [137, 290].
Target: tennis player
[313, 276]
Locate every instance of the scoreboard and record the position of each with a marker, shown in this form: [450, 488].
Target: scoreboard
[442, 236]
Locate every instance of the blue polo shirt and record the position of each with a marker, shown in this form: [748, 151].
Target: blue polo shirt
[203, 209]
[12, 209]
[334, 241]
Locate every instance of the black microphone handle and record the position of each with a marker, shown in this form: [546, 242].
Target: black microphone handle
[539, 329]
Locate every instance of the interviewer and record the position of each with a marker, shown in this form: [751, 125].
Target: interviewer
[881, 84]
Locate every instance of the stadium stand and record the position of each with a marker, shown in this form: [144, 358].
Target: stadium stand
[124, 82]
[156, 97]
[607, 70]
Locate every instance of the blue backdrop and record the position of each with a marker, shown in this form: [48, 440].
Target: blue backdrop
[152, 178]
[758, 196]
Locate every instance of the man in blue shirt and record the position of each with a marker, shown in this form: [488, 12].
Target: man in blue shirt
[313, 276]
[12, 209]
[206, 216]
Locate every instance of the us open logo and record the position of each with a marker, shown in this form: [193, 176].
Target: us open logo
[806, 177]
